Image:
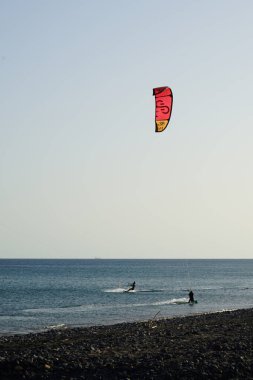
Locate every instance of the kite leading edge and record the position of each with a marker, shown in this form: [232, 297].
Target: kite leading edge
[163, 107]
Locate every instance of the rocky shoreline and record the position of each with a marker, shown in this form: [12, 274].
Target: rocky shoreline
[207, 346]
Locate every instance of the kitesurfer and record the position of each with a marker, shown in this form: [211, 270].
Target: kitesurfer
[191, 296]
[132, 287]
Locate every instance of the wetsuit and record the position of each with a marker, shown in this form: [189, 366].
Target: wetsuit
[191, 296]
[132, 286]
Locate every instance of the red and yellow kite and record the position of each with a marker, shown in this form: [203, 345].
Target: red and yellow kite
[163, 107]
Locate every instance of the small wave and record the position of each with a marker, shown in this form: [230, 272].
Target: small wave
[211, 288]
[122, 290]
[16, 317]
[43, 310]
[62, 309]
[91, 307]
[225, 310]
[150, 291]
[56, 327]
[247, 288]
[174, 301]
[199, 288]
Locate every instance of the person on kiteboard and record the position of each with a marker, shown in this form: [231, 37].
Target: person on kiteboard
[191, 296]
[132, 287]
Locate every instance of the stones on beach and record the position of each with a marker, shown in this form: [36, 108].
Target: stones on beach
[215, 346]
[18, 368]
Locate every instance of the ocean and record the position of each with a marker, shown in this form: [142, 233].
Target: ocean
[37, 295]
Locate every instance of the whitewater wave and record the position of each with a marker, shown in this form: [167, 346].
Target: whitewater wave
[117, 290]
[174, 301]
[57, 327]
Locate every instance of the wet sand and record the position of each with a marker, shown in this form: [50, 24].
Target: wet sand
[207, 346]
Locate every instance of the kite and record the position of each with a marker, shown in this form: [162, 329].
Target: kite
[163, 107]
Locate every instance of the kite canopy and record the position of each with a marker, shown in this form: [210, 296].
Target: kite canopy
[163, 107]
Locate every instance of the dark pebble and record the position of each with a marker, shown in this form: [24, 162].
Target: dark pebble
[208, 346]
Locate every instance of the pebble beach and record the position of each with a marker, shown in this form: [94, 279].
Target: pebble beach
[206, 346]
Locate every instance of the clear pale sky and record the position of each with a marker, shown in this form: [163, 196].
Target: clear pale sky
[82, 172]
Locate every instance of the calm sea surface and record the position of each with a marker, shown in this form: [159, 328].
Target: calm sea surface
[41, 294]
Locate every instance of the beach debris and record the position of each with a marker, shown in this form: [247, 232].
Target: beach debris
[152, 321]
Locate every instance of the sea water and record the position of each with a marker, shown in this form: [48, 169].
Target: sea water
[42, 294]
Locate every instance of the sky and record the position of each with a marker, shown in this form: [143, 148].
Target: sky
[82, 172]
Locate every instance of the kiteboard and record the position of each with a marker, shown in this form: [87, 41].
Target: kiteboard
[193, 302]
